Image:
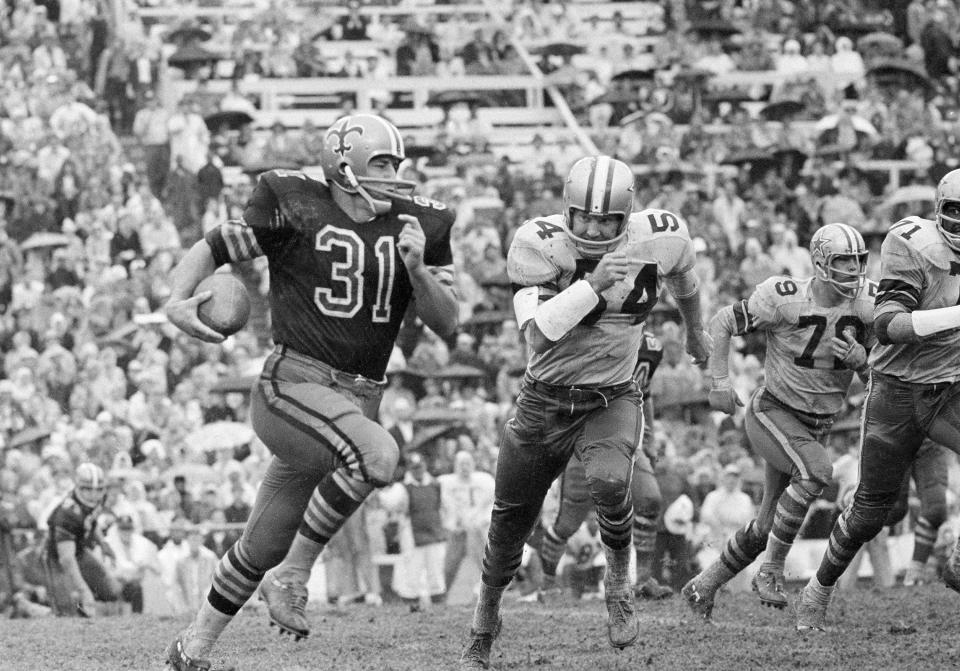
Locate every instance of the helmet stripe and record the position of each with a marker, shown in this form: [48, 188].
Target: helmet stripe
[589, 195]
[600, 177]
[850, 241]
[608, 187]
[396, 142]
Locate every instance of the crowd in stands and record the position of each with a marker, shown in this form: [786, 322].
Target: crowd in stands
[103, 186]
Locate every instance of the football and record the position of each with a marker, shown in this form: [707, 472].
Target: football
[227, 310]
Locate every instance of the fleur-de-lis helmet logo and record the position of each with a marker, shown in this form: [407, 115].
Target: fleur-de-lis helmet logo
[337, 137]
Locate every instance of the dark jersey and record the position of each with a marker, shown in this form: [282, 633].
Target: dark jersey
[70, 521]
[338, 289]
[649, 357]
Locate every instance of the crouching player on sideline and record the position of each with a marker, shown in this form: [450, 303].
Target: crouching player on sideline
[347, 256]
[76, 577]
[575, 501]
[914, 390]
[818, 332]
[585, 281]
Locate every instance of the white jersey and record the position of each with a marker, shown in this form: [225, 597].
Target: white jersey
[602, 349]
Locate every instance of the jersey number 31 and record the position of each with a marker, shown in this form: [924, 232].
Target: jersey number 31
[348, 274]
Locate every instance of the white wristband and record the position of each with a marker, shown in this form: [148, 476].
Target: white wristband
[928, 322]
[561, 313]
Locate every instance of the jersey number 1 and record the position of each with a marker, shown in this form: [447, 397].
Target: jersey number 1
[349, 274]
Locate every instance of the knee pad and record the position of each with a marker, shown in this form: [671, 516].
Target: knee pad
[380, 460]
[934, 513]
[864, 522]
[810, 488]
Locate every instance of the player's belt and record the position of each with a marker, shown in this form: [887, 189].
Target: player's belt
[358, 383]
[929, 386]
[577, 393]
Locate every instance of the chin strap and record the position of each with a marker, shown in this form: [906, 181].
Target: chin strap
[376, 206]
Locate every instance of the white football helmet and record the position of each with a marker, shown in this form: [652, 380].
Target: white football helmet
[598, 185]
[835, 241]
[948, 209]
[90, 484]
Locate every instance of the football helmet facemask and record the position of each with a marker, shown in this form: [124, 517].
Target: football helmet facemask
[948, 209]
[836, 241]
[349, 145]
[90, 484]
[599, 186]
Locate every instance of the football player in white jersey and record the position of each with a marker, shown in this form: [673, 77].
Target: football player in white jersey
[585, 281]
[818, 332]
[914, 390]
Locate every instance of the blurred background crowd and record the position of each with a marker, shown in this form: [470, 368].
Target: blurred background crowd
[128, 130]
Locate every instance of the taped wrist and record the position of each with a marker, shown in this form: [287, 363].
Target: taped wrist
[929, 322]
[561, 313]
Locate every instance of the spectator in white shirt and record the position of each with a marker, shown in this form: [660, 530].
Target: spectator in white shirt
[135, 556]
[466, 497]
[725, 510]
[194, 570]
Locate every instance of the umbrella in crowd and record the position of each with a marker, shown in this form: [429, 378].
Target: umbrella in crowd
[188, 33]
[191, 56]
[445, 98]
[232, 119]
[44, 240]
[559, 49]
[881, 44]
[633, 75]
[615, 97]
[900, 72]
[717, 28]
[218, 436]
[429, 434]
[914, 193]
[782, 109]
[754, 157]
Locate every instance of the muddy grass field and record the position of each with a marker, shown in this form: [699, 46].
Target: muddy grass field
[898, 629]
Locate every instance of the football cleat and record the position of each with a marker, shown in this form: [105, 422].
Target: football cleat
[286, 603]
[811, 616]
[651, 590]
[700, 601]
[951, 571]
[477, 654]
[769, 587]
[623, 625]
[179, 660]
[914, 575]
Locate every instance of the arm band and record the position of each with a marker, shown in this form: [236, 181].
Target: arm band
[525, 303]
[561, 313]
[928, 322]
[683, 285]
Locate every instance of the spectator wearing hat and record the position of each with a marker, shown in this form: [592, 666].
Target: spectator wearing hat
[418, 576]
[135, 556]
[175, 548]
[466, 503]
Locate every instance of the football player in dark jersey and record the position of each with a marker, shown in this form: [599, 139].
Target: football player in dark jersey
[575, 501]
[914, 390]
[347, 256]
[75, 575]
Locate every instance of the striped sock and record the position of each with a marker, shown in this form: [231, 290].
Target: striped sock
[551, 551]
[787, 520]
[616, 523]
[234, 581]
[841, 549]
[644, 544]
[738, 553]
[335, 499]
[924, 538]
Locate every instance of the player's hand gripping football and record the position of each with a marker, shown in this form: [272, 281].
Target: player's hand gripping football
[612, 268]
[848, 350]
[699, 346]
[411, 242]
[183, 315]
[722, 396]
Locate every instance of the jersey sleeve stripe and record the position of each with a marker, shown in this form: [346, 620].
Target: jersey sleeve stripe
[741, 314]
[898, 291]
